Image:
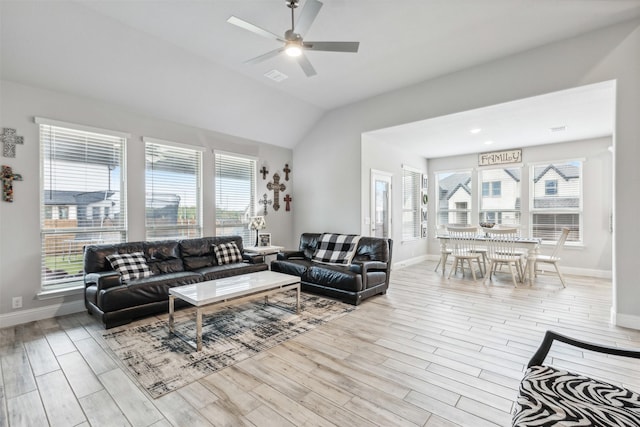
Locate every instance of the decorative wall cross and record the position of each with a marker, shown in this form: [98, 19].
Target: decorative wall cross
[9, 141]
[264, 172]
[276, 187]
[7, 183]
[287, 200]
[264, 202]
[286, 172]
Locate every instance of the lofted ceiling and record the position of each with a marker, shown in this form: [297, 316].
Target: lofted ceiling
[179, 60]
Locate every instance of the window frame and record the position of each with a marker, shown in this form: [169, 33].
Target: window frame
[66, 240]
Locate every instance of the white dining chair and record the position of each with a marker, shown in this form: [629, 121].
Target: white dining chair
[554, 258]
[501, 249]
[462, 243]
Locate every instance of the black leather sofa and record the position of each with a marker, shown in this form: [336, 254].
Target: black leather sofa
[367, 275]
[172, 263]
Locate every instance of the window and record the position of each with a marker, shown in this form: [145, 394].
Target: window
[173, 177]
[500, 201]
[411, 216]
[235, 195]
[454, 201]
[556, 200]
[81, 173]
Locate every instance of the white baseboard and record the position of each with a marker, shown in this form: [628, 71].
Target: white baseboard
[407, 262]
[33, 314]
[625, 320]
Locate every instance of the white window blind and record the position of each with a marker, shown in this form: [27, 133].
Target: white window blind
[454, 198]
[411, 199]
[500, 197]
[83, 197]
[173, 177]
[235, 195]
[556, 200]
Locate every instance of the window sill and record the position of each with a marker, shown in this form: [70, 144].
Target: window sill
[75, 288]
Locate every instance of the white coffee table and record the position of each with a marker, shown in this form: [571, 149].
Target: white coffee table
[236, 288]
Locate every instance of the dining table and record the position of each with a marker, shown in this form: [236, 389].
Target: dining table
[529, 244]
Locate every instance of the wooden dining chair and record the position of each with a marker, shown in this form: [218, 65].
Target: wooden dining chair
[501, 249]
[462, 243]
[554, 258]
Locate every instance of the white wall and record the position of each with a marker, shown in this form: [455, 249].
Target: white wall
[328, 158]
[385, 157]
[594, 257]
[19, 221]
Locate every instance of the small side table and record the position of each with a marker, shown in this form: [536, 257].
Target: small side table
[265, 251]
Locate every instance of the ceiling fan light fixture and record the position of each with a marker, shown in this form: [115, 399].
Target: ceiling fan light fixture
[293, 49]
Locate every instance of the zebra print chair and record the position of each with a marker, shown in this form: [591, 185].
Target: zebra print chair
[555, 397]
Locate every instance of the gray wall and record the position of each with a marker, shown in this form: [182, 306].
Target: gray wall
[328, 158]
[19, 221]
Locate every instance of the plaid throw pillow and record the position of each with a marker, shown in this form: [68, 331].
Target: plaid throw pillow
[227, 253]
[130, 266]
[336, 248]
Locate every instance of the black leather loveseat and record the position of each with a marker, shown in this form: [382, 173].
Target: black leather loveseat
[171, 263]
[366, 274]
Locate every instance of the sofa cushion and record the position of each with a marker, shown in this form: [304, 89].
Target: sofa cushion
[336, 248]
[295, 267]
[130, 266]
[196, 262]
[334, 276]
[228, 270]
[227, 253]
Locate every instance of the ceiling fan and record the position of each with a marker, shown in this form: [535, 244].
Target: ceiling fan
[294, 45]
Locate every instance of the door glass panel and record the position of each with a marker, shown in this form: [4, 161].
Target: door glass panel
[381, 214]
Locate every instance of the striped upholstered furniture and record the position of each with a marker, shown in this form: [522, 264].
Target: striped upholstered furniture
[555, 397]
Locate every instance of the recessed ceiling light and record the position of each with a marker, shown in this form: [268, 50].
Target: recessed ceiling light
[488, 142]
[476, 130]
[558, 129]
[276, 75]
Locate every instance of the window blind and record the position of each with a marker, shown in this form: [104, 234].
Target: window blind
[235, 195]
[411, 199]
[556, 200]
[173, 181]
[500, 197]
[83, 199]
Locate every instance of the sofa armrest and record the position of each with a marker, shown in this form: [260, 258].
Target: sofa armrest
[362, 267]
[253, 258]
[550, 336]
[103, 279]
[290, 255]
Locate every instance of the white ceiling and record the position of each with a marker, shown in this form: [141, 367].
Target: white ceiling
[584, 112]
[180, 60]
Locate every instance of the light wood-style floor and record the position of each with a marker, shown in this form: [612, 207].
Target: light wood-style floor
[432, 352]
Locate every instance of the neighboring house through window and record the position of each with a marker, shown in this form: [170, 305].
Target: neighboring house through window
[81, 174]
[454, 201]
[500, 201]
[173, 175]
[236, 202]
[556, 200]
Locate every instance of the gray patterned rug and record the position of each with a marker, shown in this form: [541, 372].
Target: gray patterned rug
[163, 363]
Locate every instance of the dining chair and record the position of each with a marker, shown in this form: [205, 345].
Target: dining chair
[554, 258]
[501, 249]
[462, 242]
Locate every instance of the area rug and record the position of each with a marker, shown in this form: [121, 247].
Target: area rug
[162, 362]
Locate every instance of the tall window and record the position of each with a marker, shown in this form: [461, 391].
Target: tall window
[556, 200]
[235, 195]
[500, 200]
[173, 176]
[454, 198]
[411, 186]
[82, 196]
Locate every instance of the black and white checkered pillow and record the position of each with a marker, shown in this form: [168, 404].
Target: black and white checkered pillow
[227, 253]
[130, 266]
[336, 248]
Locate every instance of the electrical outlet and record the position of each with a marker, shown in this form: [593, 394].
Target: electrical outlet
[16, 302]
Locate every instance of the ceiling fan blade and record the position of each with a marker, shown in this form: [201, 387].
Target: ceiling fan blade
[265, 56]
[351, 47]
[306, 66]
[253, 28]
[307, 16]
